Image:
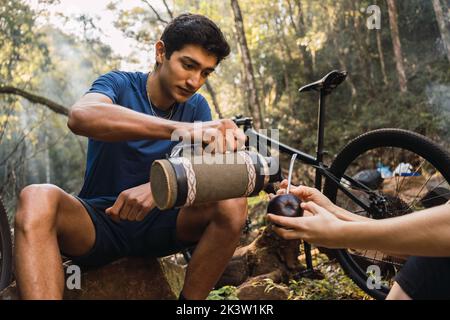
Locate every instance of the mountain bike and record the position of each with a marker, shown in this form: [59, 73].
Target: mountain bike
[421, 170]
[5, 249]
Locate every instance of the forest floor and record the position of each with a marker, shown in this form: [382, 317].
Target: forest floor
[335, 285]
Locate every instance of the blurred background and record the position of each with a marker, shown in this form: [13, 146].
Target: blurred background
[397, 54]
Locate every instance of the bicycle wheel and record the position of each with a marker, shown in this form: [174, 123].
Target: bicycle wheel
[421, 167]
[5, 249]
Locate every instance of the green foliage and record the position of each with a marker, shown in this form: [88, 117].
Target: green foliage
[335, 285]
[224, 293]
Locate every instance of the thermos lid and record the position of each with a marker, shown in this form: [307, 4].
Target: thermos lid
[164, 184]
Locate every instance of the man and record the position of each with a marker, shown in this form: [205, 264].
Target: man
[129, 119]
[423, 235]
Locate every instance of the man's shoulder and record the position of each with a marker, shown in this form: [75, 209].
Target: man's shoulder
[196, 100]
[126, 75]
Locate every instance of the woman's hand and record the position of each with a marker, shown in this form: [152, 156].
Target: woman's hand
[309, 194]
[317, 226]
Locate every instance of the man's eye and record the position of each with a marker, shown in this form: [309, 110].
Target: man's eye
[188, 66]
[206, 74]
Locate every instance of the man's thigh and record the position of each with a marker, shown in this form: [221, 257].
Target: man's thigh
[75, 229]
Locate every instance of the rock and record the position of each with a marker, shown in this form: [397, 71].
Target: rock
[268, 252]
[127, 278]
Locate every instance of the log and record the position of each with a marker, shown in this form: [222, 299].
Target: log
[133, 278]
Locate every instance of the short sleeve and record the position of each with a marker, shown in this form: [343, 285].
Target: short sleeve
[109, 84]
[203, 112]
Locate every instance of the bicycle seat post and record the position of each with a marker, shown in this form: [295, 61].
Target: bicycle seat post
[319, 156]
[320, 135]
[324, 86]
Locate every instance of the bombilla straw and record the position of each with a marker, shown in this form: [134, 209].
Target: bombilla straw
[291, 168]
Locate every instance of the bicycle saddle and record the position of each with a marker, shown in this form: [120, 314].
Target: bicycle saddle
[327, 83]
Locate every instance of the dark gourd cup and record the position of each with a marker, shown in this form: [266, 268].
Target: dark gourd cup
[286, 205]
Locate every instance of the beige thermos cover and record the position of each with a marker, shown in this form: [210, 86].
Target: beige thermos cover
[184, 181]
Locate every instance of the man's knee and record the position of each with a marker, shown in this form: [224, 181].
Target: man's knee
[37, 207]
[232, 213]
[397, 293]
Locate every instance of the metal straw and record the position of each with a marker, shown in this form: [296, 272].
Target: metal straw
[291, 168]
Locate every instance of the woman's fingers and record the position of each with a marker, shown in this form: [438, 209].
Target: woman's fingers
[287, 234]
[285, 221]
[311, 207]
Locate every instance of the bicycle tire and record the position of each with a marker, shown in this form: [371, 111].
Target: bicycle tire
[5, 249]
[411, 141]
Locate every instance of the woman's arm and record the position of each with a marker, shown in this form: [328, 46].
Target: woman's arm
[422, 233]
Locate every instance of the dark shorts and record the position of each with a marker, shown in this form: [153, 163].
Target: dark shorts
[154, 236]
[424, 278]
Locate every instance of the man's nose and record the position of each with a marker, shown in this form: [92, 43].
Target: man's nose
[194, 81]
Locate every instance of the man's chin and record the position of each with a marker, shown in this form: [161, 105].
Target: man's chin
[182, 98]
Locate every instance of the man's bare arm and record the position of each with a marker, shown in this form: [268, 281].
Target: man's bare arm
[95, 116]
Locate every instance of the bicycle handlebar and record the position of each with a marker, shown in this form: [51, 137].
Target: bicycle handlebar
[243, 121]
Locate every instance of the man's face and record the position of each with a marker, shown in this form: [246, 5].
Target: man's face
[186, 71]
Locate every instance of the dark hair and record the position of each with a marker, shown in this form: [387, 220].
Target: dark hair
[195, 29]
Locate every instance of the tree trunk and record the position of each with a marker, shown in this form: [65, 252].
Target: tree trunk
[392, 9]
[444, 26]
[300, 31]
[287, 57]
[332, 29]
[254, 104]
[343, 66]
[359, 32]
[213, 95]
[381, 57]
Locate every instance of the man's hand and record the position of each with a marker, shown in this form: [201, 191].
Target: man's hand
[317, 226]
[220, 135]
[132, 204]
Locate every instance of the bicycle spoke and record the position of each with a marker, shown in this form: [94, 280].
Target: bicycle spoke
[393, 263]
[413, 173]
[414, 202]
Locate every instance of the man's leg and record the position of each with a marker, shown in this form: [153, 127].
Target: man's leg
[47, 220]
[397, 293]
[217, 228]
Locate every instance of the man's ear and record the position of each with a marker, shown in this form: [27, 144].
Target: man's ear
[160, 51]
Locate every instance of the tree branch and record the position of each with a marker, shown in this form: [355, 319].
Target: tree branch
[155, 12]
[168, 9]
[56, 107]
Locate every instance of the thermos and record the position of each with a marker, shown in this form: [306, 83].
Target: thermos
[187, 180]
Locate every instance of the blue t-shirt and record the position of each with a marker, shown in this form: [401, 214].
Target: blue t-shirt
[113, 167]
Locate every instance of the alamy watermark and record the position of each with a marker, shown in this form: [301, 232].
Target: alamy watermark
[373, 277]
[373, 21]
[73, 280]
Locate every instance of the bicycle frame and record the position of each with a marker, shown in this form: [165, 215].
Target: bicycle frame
[315, 161]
